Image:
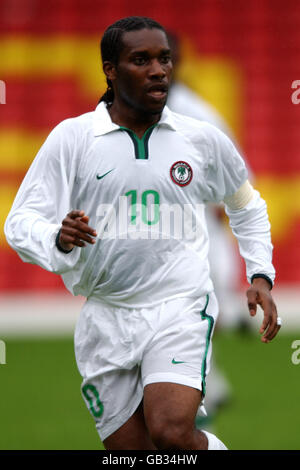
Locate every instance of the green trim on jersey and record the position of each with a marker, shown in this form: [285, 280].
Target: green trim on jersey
[141, 147]
[210, 320]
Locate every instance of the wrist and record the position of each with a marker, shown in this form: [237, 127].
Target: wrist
[262, 280]
[59, 246]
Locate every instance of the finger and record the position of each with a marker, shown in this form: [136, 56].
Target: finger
[75, 213]
[76, 235]
[85, 220]
[269, 326]
[270, 315]
[252, 301]
[267, 340]
[79, 225]
[274, 333]
[70, 239]
[79, 243]
[273, 326]
[265, 323]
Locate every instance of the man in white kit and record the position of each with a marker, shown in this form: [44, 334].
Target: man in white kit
[143, 338]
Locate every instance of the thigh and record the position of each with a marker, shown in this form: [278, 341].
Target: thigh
[133, 435]
[170, 404]
[112, 399]
[170, 411]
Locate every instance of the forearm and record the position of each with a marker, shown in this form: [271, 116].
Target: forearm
[33, 238]
[251, 227]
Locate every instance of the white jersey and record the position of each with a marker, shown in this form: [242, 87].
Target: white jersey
[224, 261]
[92, 164]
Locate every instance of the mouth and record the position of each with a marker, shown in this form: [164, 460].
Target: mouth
[158, 92]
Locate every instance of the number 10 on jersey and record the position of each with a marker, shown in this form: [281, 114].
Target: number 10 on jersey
[149, 204]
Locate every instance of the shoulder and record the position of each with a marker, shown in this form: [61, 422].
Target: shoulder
[67, 139]
[199, 131]
[75, 125]
[69, 135]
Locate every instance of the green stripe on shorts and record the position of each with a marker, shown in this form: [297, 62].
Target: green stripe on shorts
[210, 320]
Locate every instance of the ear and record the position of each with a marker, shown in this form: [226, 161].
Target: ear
[109, 70]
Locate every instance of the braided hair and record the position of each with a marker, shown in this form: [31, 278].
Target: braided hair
[111, 43]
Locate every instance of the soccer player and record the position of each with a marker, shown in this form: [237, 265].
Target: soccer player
[132, 178]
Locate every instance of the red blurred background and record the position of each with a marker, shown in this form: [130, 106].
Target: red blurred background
[242, 56]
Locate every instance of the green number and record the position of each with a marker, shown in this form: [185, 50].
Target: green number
[145, 194]
[133, 194]
[145, 207]
[90, 392]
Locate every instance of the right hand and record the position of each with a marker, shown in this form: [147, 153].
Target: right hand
[75, 231]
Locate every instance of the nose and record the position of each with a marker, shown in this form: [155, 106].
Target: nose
[157, 69]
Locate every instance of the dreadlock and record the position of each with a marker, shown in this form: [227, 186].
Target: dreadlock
[111, 43]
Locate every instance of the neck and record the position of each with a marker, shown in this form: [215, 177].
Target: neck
[127, 116]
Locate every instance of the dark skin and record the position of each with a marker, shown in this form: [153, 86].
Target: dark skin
[165, 418]
[140, 79]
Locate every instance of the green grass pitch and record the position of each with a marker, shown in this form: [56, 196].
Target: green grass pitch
[41, 405]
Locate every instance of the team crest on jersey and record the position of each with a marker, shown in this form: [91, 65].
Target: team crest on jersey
[181, 173]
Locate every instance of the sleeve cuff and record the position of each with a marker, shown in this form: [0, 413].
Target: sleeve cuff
[263, 276]
[58, 246]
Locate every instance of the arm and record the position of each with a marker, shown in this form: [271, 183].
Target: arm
[249, 222]
[227, 181]
[42, 201]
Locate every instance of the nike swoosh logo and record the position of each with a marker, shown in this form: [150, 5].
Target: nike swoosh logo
[177, 362]
[99, 177]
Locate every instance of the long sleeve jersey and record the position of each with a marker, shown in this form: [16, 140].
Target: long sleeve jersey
[145, 197]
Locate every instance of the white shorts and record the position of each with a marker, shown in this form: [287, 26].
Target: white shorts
[119, 351]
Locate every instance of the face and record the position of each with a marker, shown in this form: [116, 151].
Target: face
[142, 76]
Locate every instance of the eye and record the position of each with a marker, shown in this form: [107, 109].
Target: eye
[165, 59]
[139, 60]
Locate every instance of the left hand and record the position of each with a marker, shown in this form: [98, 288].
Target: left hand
[259, 294]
